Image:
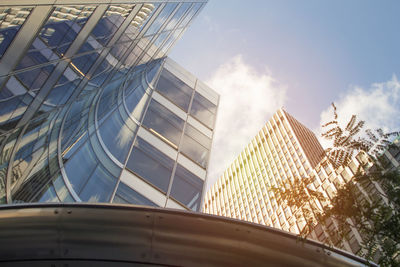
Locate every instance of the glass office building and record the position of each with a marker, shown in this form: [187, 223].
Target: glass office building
[91, 109]
[282, 150]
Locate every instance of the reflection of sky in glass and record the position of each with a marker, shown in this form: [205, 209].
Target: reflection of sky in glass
[161, 18]
[177, 16]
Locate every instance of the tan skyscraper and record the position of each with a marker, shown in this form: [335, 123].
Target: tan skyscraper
[282, 150]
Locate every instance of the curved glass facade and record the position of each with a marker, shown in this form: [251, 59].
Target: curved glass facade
[92, 111]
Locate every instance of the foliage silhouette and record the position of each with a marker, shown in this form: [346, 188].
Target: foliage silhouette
[368, 202]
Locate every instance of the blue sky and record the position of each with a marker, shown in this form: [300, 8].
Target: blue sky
[302, 55]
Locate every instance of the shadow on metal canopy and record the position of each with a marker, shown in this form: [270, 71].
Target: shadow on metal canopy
[126, 235]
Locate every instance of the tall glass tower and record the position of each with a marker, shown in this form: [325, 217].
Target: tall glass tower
[91, 109]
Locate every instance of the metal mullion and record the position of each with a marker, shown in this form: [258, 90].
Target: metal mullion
[179, 148]
[185, 27]
[116, 67]
[140, 35]
[136, 135]
[23, 40]
[160, 30]
[173, 30]
[121, 30]
[62, 65]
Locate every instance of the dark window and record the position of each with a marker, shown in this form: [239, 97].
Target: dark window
[187, 188]
[150, 164]
[174, 89]
[34, 79]
[127, 195]
[203, 110]
[82, 64]
[164, 122]
[196, 145]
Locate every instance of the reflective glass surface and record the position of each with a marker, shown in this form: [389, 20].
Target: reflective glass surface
[163, 122]
[80, 167]
[109, 98]
[203, 110]
[151, 164]
[61, 93]
[108, 25]
[117, 136]
[126, 195]
[161, 19]
[100, 186]
[174, 89]
[81, 64]
[196, 145]
[177, 16]
[49, 195]
[187, 188]
[63, 26]
[12, 109]
[190, 14]
[34, 79]
[11, 19]
[61, 190]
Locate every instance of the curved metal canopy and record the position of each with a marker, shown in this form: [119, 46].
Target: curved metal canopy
[121, 235]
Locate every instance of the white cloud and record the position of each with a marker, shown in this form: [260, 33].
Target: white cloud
[248, 100]
[378, 106]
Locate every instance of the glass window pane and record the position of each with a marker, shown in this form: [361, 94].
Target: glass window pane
[194, 151]
[61, 93]
[11, 20]
[187, 188]
[34, 79]
[174, 89]
[117, 136]
[109, 24]
[161, 18]
[126, 195]
[162, 121]
[196, 146]
[63, 26]
[108, 98]
[190, 15]
[177, 16]
[82, 64]
[197, 136]
[12, 110]
[136, 97]
[203, 110]
[151, 72]
[62, 191]
[49, 195]
[80, 167]
[100, 186]
[151, 164]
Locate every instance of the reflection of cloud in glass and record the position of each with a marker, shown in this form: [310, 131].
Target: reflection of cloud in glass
[94, 198]
[124, 136]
